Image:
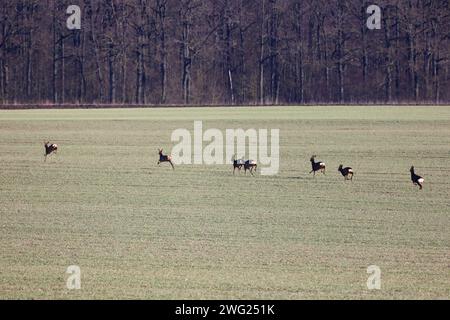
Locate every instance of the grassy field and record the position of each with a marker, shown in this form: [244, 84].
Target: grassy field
[142, 231]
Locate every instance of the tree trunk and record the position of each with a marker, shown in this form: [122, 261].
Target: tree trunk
[388, 59]
[261, 57]
[436, 81]
[397, 57]
[112, 76]
[228, 57]
[29, 78]
[299, 70]
[242, 58]
[3, 81]
[81, 77]
[161, 15]
[364, 58]
[98, 69]
[124, 64]
[340, 52]
[186, 62]
[55, 58]
[274, 65]
[63, 67]
[140, 73]
[412, 54]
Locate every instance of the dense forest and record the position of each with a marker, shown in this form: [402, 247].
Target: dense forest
[232, 52]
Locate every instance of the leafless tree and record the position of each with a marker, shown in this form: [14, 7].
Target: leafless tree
[224, 52]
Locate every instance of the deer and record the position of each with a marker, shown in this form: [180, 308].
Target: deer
[165, 158]
[237, 164]
[317, 166]
[251, 166]
[346, 172]
[416, 179]
[50, 148]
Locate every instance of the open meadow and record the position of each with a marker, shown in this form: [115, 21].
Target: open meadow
[142, 231]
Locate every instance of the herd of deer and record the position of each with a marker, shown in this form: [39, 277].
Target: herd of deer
[251, 165]
[348, 173]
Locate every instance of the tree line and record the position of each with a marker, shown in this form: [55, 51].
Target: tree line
[224, 52]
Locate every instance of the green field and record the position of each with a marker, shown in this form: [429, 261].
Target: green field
[139, 231]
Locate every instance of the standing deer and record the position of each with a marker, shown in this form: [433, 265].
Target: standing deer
[317, 166]
[49, 149]
[165, 158]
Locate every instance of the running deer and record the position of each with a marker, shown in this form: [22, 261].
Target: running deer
[416, 179]
[237, 164]
[317, 166]
[49, 149]
[347, 172]
[165, 158]
[251, 166]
